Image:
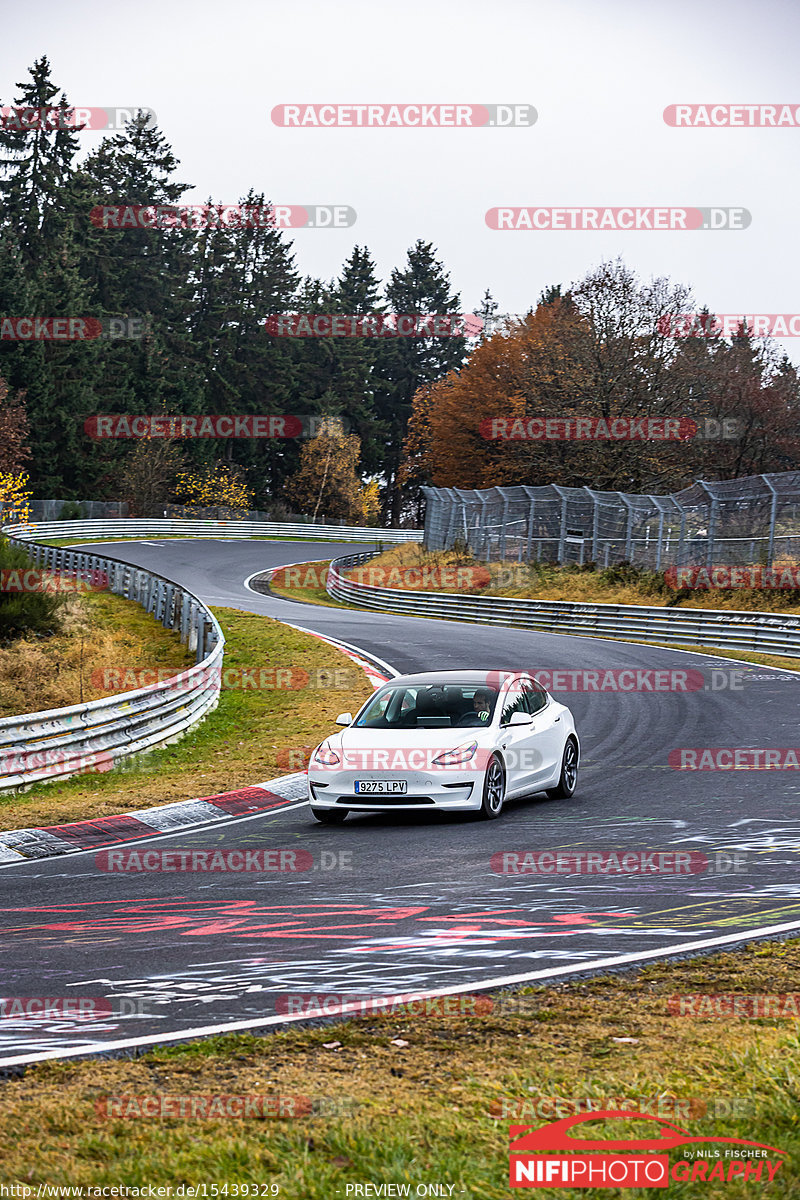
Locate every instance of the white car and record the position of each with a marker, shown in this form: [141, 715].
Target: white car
[463, 741]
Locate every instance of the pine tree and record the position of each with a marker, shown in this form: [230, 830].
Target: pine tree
[240, 277]
[40, 277]
[357, 292]
[406, 363]
[142, 274]
[36, 157]
[486, 311]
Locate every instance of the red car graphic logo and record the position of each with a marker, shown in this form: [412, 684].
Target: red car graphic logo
[556, 1136]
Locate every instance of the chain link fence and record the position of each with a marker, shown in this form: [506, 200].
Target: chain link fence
[747, 521]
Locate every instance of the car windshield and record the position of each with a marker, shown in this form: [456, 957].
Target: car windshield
[429, 706]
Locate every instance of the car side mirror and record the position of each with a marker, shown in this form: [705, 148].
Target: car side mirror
[520, 718]
[344, 719]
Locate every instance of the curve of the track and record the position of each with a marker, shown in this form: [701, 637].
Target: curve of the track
[417, 905]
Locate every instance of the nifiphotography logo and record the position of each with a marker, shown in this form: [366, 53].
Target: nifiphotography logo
[631, 1162]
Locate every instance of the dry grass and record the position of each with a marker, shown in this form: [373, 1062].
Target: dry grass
[540, 582]
[102, 635]
[307, 584]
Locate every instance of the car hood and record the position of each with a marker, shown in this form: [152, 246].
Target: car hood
[408, 739]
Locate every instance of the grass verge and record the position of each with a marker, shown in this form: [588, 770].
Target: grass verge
[247, 739]
[429, 1099]
[305, 582]
[102, 635]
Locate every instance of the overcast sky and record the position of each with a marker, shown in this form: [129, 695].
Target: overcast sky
[599, 73]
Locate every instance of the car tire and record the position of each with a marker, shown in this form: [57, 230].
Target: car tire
[494, 790]
[568, 779]
[329, 816]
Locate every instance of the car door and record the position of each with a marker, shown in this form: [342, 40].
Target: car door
[546, 733]
[517, 741]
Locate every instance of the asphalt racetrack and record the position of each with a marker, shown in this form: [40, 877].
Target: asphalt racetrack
[414, 902]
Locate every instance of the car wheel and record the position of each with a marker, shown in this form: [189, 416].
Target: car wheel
[568, 779]
[329, 816]
[494, 789]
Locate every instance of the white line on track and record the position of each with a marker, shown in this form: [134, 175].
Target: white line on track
[280, 567]
[354, 1008]
[347, 645]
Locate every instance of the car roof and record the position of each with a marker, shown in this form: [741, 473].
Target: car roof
[487, 678]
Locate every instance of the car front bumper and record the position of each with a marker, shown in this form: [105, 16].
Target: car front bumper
[451, 790]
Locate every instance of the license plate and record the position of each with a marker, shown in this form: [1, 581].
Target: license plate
[380, 787]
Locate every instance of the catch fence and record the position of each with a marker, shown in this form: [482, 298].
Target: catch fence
[751, 520]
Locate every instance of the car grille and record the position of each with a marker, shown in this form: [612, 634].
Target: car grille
[374, 800]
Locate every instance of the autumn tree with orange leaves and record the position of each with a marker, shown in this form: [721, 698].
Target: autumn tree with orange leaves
[600, 351]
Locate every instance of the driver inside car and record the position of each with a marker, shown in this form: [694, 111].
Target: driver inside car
[481, 709]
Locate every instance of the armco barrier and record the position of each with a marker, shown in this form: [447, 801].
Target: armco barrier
[95, 736]
[770, 633]
[135, 527]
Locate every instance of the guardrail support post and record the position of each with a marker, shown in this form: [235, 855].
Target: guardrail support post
[773, 514]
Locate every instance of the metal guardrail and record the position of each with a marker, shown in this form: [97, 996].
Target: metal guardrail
[770, 633]
[95, 736]
[124, 527]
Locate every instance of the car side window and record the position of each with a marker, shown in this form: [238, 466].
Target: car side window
[515, 702]
[536, 697]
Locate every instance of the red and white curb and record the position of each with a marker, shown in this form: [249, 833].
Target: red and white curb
[17, 845]
[20, 845]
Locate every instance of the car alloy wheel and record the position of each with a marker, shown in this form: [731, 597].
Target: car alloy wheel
[568, 779]
[494, 789]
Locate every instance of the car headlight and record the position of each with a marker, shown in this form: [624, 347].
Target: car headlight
[325, 756]
[461, 754]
